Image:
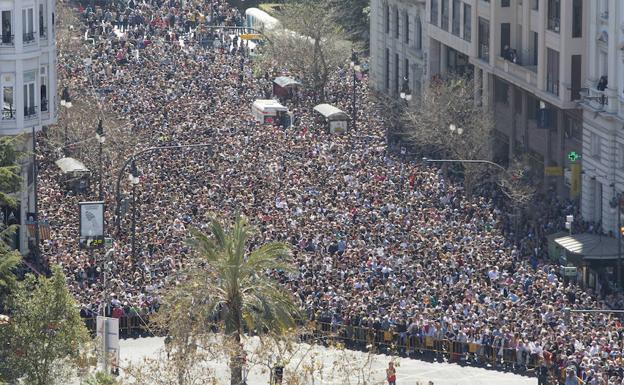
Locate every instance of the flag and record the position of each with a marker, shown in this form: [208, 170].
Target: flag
[44, 229]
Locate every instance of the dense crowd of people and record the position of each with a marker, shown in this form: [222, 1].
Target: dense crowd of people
[378, 241]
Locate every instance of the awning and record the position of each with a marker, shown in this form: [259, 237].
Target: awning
[71, 165]
[590, 246]
[330, 112]
[285, 81]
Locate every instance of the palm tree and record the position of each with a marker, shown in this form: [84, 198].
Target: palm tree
[229, 283]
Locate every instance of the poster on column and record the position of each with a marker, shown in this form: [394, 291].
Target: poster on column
[91, 224]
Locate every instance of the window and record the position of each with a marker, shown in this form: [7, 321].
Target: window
[7, 29]
[8, 104]
[43, 88]
[434, 12]
[456, 17]
[28, 28]
[43, 31]
[554, 13]
[407, 27]
[418, 33]
[29, 94]
[467, 22]
[397, 30]
[552, 71]
[406, 71]
[575, 80]
[387, 68]
[577, 18]
[505, 3]
[533, 107]
[535, 5]
[445, 15]
[595, 145]
[621, 156]
[484, 39]
[387, 18]
[397, 74]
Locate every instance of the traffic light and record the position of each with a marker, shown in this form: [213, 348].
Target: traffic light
[573, 156]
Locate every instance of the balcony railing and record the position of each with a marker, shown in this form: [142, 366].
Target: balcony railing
[526, 74]
[554, 24]
[43, 32]
[484, 52]
[44, 105]
[7, 40]
[8, 113]
[30, 112]
[29, 37]
[597, 99]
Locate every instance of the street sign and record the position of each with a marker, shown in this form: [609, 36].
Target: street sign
[250, 36]
[573, 156]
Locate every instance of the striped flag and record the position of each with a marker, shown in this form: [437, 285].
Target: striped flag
[44, 229]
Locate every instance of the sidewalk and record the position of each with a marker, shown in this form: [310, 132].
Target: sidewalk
[409, 371]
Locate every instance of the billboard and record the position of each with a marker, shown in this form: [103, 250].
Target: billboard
[91, 224]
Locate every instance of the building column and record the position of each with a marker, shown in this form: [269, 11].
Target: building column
[474, 28]
[494, 32]
[558, 155]
[592, 57]
[613, 56]
[541, 46]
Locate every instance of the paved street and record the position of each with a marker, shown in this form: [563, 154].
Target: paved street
[409, 371]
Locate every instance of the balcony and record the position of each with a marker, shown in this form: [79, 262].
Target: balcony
[7, 40]
[30, 112]
[8, 113]
[29, 38]
[554, 24]
[596, 99]
[517, 72]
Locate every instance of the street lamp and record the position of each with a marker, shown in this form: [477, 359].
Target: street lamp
[406, 93]
[99, 135]
[355, 66]
[67, 103]
[454, 129]
[134, 180]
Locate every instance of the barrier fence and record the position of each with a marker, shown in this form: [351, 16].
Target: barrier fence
[389, 342]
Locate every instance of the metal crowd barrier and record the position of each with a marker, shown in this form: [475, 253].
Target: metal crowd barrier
[384, 341]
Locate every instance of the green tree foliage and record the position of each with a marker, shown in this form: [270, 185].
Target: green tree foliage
[317, 46]
[44, 336]
[9, 184]
[228, 284]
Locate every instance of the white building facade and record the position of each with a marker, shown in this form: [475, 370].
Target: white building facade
[398, 46]
[603, 129]
[528, 59]
[28, 65]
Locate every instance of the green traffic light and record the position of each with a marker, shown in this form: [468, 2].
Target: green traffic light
[574, 156]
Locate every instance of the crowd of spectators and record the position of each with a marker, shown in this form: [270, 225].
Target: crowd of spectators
[378, 241]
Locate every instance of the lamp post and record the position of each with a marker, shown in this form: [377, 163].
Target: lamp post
[67, 103]
[355, 66]
[134, 180]
[99, 135]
